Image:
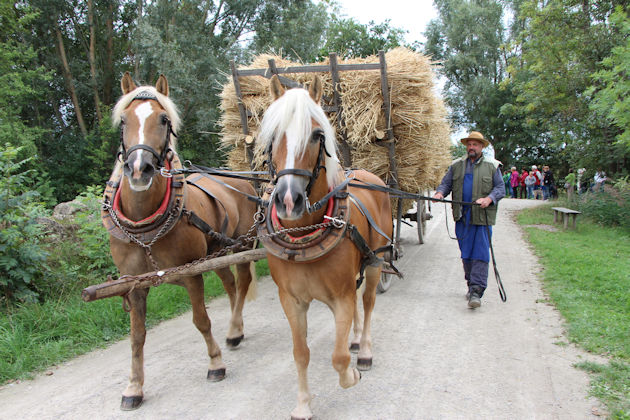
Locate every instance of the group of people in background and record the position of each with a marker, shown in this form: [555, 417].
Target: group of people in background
[541, 185]
[535, 184]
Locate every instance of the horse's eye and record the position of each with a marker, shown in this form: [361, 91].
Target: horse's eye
[164, 119]
[317, 135]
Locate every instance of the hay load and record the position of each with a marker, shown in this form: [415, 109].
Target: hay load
[418, 116]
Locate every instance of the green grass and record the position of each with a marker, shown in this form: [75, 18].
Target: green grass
[587, 277]
[34, 337]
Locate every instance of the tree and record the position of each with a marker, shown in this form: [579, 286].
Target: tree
[295, 28]
[561, 46]
[470, 42]
[611, 100]
[20, 78]
[348, 38]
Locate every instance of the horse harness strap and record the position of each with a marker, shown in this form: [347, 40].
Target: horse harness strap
[311, 250]
[147, 231]
[196, 220]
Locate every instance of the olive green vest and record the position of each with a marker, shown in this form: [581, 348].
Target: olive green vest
[483, 171]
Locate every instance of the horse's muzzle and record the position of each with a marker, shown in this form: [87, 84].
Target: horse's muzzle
[140, 170]
[290, 199]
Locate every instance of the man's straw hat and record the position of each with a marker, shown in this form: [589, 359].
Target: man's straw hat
[475, 135]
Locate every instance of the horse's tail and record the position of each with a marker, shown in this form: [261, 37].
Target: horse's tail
[252, 290]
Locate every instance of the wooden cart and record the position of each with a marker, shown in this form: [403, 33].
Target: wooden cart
[422, 212]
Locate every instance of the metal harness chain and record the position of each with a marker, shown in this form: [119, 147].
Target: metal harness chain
[146, 246]
[158, 277]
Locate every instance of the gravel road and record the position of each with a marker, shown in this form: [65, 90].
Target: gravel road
[433, 357]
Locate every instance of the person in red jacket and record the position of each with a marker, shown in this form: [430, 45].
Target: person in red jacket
[514, 182]
[522, 188]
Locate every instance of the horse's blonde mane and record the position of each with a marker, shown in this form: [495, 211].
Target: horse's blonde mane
[295, 108]
[166, 103]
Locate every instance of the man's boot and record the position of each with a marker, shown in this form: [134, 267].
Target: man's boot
[474, 299]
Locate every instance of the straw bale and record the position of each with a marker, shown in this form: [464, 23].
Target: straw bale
[418, 117]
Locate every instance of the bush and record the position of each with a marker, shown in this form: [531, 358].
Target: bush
[609, 207]
[22, 255]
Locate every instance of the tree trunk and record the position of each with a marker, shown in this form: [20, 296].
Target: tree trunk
[108, 94]
[92, 60]
[67, 75]
[136, 65]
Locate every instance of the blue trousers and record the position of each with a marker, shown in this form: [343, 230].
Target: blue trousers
[476, 273]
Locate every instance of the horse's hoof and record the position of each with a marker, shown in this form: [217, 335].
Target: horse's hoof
[216, 375]
[130, 403]
[364, 363]
[354, 347]
[234, 342]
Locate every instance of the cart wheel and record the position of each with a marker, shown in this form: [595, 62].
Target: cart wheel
[386, 281]
[420, 220]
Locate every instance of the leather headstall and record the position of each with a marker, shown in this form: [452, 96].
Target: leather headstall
[309, 247]
[147, 229]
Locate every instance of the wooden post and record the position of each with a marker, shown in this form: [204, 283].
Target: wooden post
[393, 166]
[346, 157]
[249, 147]
[126, 283]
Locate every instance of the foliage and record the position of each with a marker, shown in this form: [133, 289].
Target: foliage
[469, 40]
[612, 100]
[296, 29]
[349, 38]
[22, 257]
[587, 277]
[561, 46]
[20, 74]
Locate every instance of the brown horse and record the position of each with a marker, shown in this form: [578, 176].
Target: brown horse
[302, 153]
[158, 221]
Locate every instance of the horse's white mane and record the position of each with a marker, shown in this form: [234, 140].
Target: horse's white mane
[295, 109]
[168, 105]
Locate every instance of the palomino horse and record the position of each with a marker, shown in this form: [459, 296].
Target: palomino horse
[157, 221]
[322, 262]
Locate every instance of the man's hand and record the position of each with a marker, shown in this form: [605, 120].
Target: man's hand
[484, 202]
[438, 196]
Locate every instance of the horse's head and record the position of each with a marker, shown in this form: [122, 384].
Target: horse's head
[299, 141]
[148, 120]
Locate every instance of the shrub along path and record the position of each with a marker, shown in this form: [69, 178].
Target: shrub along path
[433, 357]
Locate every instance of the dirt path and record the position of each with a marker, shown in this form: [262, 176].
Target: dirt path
[433, 357]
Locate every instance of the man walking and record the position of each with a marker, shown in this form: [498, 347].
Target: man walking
[474, 178]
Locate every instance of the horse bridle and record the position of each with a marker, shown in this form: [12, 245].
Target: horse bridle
[124, 153]
[312, 175]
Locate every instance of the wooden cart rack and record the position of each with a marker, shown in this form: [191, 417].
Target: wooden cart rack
[335, 105]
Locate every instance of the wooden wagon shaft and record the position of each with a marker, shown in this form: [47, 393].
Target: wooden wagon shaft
[123, 285]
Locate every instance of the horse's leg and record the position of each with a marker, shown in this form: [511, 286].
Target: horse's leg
[357, 322]
[132, 396]
[372, 277]
[235, 330]
[296, 315]
[343, 309]
[243, 281]
[194, 286]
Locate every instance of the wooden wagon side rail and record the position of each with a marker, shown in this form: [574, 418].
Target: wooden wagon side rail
[333, 68]
[125, 284]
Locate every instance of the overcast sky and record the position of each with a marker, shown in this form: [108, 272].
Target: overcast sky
[410, 15]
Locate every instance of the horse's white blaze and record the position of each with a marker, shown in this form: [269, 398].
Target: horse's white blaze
[143, 111]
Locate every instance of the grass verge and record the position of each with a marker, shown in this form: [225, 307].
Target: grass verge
[34, 337]
[587, 277]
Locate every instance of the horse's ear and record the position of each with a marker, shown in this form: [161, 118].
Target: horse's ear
[162, 85]
[316, 90]
[127, 84]
[275, 87]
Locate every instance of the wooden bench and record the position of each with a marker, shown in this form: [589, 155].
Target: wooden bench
[565, 215]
